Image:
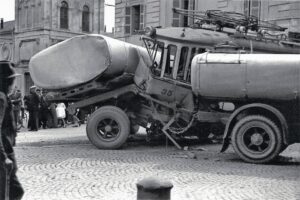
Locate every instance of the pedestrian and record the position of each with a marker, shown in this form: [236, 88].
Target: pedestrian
[33, 103]
[72, 118]
[26, 102]
[16, 100]
[61, 113]
[10, 187]
[44, 111]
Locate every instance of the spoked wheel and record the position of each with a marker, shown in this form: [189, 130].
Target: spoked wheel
[256, 139]
[108, 127]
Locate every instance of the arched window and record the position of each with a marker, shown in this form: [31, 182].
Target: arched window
[85, 19]
[64, 21]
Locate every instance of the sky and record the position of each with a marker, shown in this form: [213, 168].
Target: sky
[109, 18]
[7, 9]
[7, 12]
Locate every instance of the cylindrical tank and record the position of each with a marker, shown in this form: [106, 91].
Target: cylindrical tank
[81, 59]
[240, 76]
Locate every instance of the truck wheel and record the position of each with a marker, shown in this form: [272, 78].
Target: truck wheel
[108, 127]
[256, 139]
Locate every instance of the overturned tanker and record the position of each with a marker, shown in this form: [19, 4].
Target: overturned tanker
[175, 89]
[83, 59]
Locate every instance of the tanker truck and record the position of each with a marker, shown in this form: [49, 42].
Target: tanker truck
[172, 86]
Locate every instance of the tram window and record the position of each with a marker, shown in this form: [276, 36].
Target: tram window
[182, 63]
[194, 52]
[158, 58]
[159, 54]
[171, 57]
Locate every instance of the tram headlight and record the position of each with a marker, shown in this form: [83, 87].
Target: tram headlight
[150, 31]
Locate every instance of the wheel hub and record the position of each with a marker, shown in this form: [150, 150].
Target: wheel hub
[257, 139]
[108, 128]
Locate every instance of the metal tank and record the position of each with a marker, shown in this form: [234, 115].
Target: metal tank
[84, 58]
[240, 76]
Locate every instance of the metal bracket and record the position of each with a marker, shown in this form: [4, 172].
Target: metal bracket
[166, 127]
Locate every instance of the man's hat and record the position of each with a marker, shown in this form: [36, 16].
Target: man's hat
[7, 71]
[32, 87]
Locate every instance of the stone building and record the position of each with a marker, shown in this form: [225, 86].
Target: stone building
[285, 13]
[6, 39]
[41, 23]
[132, 15]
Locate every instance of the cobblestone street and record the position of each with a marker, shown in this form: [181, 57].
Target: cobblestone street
[61, 164]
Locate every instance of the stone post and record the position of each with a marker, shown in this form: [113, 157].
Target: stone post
[154, 189]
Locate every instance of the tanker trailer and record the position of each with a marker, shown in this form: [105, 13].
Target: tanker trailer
[264, 89]
[84, 59]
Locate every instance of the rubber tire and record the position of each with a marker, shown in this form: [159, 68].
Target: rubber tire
[275, 145]
[114, 113]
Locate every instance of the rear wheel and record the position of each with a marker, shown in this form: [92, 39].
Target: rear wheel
[108, 127]
[256, 139]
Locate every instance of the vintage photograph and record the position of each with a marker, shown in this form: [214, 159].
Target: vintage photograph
[149, 99]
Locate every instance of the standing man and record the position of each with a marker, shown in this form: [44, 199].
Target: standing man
[33, 102]
[10, 187]
[16, 100]
[44, 111]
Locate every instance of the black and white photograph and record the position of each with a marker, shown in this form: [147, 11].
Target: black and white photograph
[149, 99]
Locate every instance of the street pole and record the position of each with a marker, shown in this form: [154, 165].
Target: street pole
[154, 189]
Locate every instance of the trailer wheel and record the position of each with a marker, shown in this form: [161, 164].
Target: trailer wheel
[108, 127]
[256, 139]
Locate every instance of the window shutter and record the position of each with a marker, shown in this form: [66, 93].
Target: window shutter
[246, 7]
[142, 17]
[64, 21]
[255, 8]
[127, 27]
[176, 16]
[85, 19]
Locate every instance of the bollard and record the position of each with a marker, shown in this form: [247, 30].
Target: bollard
[154, 189]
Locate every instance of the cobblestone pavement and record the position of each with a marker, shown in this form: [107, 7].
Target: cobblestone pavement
[61, 164]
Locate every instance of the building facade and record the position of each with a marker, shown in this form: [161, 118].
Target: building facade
[41, 23]
[285, 13]
[6, 39]
[132, 15]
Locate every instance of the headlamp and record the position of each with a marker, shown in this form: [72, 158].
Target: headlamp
[150, 31]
